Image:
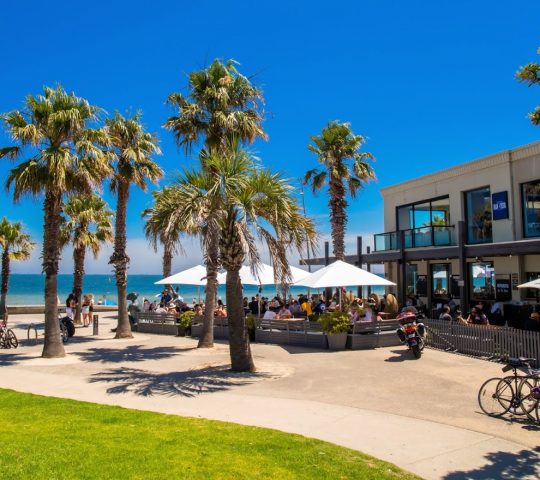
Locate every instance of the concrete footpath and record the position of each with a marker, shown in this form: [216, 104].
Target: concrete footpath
[420, 415]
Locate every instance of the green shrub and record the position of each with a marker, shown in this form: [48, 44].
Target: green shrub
[250, 321]
[186, 318]
[335, 322]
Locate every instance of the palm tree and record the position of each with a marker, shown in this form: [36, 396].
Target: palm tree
[337, 144]
[243, 203]
[530, 74]
[16, 245]
[64, 157]
[221, 105]
[157, 228]
[87, 227]
[132, 148]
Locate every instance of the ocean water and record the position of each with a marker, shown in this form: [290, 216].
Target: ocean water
[28, 289]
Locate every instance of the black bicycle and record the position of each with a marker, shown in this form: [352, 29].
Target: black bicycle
[518, 393]
[8, 339]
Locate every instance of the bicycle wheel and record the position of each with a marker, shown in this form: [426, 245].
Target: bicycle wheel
[528, 397]
[495, 397]
[516, 408]
[11, 338]
[3, 339]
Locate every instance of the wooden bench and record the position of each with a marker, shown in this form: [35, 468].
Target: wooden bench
[374, 334]
[290, 332]
[161, 323]
[221, 327]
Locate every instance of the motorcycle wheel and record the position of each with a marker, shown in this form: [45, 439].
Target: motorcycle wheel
[416, 351]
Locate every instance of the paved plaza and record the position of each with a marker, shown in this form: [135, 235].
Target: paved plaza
[421, 415]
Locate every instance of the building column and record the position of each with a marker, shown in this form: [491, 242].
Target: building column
[359, 261]
[402, 289]
[463, 270]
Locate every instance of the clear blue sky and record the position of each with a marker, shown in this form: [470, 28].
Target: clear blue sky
[429, 83]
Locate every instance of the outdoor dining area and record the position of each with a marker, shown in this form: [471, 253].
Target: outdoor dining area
[287, 319]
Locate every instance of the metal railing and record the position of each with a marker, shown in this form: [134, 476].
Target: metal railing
[483, 340]
[431, 236]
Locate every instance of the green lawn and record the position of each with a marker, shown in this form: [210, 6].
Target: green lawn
[50, 438]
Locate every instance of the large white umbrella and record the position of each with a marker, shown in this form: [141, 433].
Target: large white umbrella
[192, 276]
[531, 284]
[341, 274]
[264, 275]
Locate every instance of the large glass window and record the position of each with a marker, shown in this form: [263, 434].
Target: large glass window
[412, 277]
[424, 214]
[478, 215]
[440, 280]
[482, 277]
[530, 193]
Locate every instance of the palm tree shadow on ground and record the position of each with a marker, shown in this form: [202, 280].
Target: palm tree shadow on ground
[188, 383]
[507, 465]
[7, 359]
[132, 353]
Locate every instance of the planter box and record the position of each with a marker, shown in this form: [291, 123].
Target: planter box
[337, 341]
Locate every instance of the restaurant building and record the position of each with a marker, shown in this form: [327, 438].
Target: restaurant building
[469, 233]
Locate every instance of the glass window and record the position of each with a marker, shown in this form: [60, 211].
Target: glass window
[440, 212]
[412, 277]
[440, 280]
[478, 215]
[405, 217]
[482, 277]
[531, 209]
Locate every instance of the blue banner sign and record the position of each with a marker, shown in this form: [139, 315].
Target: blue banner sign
[499, 205]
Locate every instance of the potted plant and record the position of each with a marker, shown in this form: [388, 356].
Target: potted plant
[184, 323]
[335, 325]
[250, 326]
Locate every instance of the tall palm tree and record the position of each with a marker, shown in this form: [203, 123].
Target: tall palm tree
[64, 157]
[530, 74]
[157, 228]
[221, 105]
[132, 148]
[87, 227]
[244, 203]
[16, 245]
[334, 147]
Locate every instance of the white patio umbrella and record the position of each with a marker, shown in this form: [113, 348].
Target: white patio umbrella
[342, 274]
[192, 276]
[264, 276]
[531, 284]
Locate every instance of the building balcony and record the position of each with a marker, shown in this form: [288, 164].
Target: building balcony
[433, 236]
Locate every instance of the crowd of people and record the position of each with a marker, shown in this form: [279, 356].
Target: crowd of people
[87, 308]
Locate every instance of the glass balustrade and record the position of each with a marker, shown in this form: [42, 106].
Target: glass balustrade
[432, 236]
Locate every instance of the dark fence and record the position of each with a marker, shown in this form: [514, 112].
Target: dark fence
[483, 341]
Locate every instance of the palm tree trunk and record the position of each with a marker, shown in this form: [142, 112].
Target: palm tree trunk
[240, 351]
[53, 346]
[4, 287]
[78, 275]
[167, 260]
[120, 260]
[338, 216]
[212, 264]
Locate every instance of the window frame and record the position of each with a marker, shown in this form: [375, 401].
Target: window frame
[466, 216]
[523, 213]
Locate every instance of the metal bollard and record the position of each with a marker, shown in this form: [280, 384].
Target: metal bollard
[95, 324]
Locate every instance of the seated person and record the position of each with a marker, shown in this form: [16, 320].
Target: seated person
[476, 317]
[295, 308]
[269, 315]
[198, 310]
[161, 308]
[445, 315]
[320, 308]
[305, 305]
[221, 311]
[284, 313]
[532, 324]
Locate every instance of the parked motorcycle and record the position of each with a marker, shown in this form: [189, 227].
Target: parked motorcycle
[412, 331]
